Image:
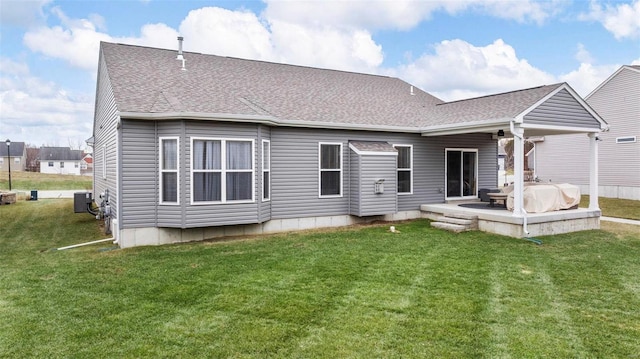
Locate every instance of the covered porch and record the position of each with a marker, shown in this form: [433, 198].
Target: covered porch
[541, 111]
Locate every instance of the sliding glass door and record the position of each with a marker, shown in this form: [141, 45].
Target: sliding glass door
[461, 173]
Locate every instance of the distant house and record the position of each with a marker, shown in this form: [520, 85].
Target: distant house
[60, 160]
[617, 100]
[218, 146]
[17, 157]
[86, 164]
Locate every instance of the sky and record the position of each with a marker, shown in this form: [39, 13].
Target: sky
[451, 49]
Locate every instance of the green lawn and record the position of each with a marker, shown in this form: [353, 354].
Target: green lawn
[354, 293]
[615, 207]
[27, 181]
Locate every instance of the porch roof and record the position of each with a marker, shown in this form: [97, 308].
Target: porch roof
[543, 110]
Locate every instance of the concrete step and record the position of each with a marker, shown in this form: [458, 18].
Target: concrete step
[460, 221]
[449, 226]
[461, 216]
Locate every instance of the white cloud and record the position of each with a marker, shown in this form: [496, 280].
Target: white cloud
[524, 11]
[225, 32]
[459, 69]
[77, 41]
[243, 34]
[622, 20]
[401, 14]
[33, 109]
[351, 50]
[23, 13]
[583, 54]
[587, 77]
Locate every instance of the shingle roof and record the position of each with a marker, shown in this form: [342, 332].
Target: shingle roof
[59, 154]
[493, 107]
[150, 81]
[16, 148]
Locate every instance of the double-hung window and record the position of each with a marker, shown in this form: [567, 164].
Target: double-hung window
[330, 171]
[405, 168]
[222, 170]
[266, 170]
[169, 170]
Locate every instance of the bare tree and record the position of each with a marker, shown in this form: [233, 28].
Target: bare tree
[509, 158]
[33, 163]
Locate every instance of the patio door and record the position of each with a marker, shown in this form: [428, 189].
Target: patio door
[461, 173]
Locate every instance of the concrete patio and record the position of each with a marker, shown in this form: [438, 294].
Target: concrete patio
[503, 221]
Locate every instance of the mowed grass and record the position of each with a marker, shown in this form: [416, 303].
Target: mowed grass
[354, 293]
[27, 181]
[615, 207]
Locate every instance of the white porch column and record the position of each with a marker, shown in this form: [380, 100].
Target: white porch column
[593, 172]
[518, 169]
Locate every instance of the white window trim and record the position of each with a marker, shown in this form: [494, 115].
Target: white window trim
[446, 189]
[320, 170]
[16, 160]
[632, 139]
[268, 172]
[223, 171]
[161, 171]
[410, 169]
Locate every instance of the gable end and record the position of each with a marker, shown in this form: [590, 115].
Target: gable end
[562, 109]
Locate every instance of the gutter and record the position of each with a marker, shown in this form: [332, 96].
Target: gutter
[261, 119]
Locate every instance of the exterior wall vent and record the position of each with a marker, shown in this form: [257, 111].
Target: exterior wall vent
[629, 139]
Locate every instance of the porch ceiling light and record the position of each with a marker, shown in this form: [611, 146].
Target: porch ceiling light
[500, 133]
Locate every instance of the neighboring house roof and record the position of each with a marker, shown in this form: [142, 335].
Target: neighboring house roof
[634, 68]
[59, 154]
[16, 148]
[88, 158]
[149, 83]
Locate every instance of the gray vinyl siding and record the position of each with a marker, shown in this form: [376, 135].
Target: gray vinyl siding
[105, 135]
[557, 164]
[140, 153]
[294, 173]
[295, 168]
[354, 174]
[365, 170]
[139, 174]
[561, 110]
[618, 102]
[565, 158]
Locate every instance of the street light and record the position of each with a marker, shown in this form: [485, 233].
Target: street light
[9, 160]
